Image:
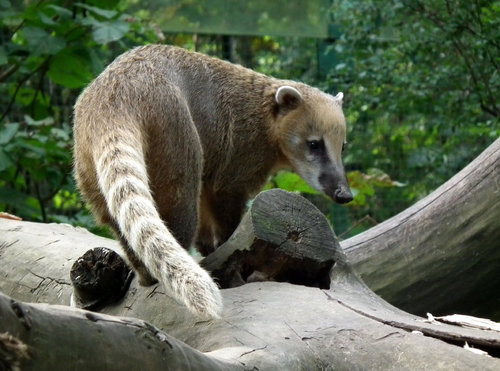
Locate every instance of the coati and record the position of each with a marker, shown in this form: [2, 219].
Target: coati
[170, 144]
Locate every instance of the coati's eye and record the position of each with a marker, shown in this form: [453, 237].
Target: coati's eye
[315, 145]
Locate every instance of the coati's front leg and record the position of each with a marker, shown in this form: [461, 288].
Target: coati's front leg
[220, 214]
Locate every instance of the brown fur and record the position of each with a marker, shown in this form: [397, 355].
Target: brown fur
[206, 134]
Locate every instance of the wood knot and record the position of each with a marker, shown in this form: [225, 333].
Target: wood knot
[294, 236]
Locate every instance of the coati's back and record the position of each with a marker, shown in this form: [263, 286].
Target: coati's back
[125, 124]
[145, 81]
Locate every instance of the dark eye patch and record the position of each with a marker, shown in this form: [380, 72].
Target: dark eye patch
[316, 145]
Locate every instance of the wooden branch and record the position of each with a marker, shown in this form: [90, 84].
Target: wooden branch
[440, 255]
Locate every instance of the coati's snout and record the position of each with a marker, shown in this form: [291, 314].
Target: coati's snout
[335, 186]
[342, 195]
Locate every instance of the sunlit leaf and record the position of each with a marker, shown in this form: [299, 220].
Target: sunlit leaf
[292, 182]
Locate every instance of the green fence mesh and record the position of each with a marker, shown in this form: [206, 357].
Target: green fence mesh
[242, 17]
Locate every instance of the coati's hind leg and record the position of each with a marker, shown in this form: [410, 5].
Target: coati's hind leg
[175, 165]
[220, 215]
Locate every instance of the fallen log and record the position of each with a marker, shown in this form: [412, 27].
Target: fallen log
[61, 338]
[265, 325]
[443, 253]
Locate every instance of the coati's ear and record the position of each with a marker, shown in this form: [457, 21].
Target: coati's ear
[339, 98]
[288, 97]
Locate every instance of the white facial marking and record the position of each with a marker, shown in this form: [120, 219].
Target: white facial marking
[310, 172]
[314, 137]
[295, 140]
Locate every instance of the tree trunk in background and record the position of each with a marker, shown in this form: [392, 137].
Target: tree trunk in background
[441, 255]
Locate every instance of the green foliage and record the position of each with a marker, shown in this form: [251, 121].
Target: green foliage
[290, 181]
[34, 162]
[363, 185]
[51, 50]
[421, 81]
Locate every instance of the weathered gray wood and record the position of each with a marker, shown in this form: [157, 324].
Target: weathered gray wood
[63, 338]
[266, 325]
[270, 326]
[442, 255]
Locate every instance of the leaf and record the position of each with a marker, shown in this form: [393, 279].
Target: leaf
[3, 56]
[8, 132]
[62, 12]
[61, 134]
[45, 19]
[106, 32]
[41, 42]
[106, 4]
[10, 196]
[108, 14]
[361, 182]
[36, 150]
[70, 70]
[380, 179]
[5, 161]
[292, 182]
[45, 122]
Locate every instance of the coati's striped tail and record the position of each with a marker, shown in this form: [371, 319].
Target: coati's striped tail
[123, 180]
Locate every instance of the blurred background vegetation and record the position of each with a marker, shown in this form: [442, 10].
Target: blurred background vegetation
[421, 80]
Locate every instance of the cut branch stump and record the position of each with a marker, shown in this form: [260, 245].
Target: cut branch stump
[281, 238]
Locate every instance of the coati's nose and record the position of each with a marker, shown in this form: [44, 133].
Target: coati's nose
[343, 195]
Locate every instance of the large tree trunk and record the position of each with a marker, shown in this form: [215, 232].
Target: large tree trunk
[265, 325]
[442, 254]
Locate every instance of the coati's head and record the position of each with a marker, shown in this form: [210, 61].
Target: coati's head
[312, 135]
